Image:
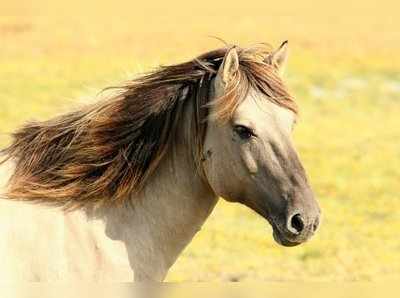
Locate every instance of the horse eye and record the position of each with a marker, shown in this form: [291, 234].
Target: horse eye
[243, 132]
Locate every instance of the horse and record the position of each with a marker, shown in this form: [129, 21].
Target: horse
[115, 190]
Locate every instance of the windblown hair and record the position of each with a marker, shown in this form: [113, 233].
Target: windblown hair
[106, 151]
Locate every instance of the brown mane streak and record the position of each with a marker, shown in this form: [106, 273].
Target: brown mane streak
[106, 151]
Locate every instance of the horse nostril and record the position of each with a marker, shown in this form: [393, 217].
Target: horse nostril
[315, 225]
[296, 224]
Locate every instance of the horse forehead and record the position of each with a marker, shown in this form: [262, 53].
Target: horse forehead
[259, 109]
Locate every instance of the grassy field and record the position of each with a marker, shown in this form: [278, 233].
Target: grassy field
[344, 70]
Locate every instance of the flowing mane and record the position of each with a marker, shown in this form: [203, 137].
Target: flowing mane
[106, 151]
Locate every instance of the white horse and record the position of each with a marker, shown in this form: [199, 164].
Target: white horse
[115, 191]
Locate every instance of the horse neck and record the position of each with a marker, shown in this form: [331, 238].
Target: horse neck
[164, 217]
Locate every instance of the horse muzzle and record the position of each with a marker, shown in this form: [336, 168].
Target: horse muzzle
[296, 230]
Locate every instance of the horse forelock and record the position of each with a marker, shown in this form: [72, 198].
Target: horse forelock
[106, 151]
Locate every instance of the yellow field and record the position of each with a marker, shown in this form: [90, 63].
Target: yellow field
[344, 70]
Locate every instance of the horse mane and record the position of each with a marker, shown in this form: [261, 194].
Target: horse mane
[105, 151]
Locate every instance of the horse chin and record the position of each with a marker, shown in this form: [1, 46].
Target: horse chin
[282, 240]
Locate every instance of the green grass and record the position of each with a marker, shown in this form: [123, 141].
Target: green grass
[346, 80]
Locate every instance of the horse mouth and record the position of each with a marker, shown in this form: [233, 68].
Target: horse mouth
[280, 239]
[278, 236]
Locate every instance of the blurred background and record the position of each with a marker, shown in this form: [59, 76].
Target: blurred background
[344, 70]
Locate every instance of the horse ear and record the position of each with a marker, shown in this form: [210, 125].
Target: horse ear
[279, 57]
[229, 67]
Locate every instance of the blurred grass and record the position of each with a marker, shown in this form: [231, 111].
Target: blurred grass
[344, 71]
